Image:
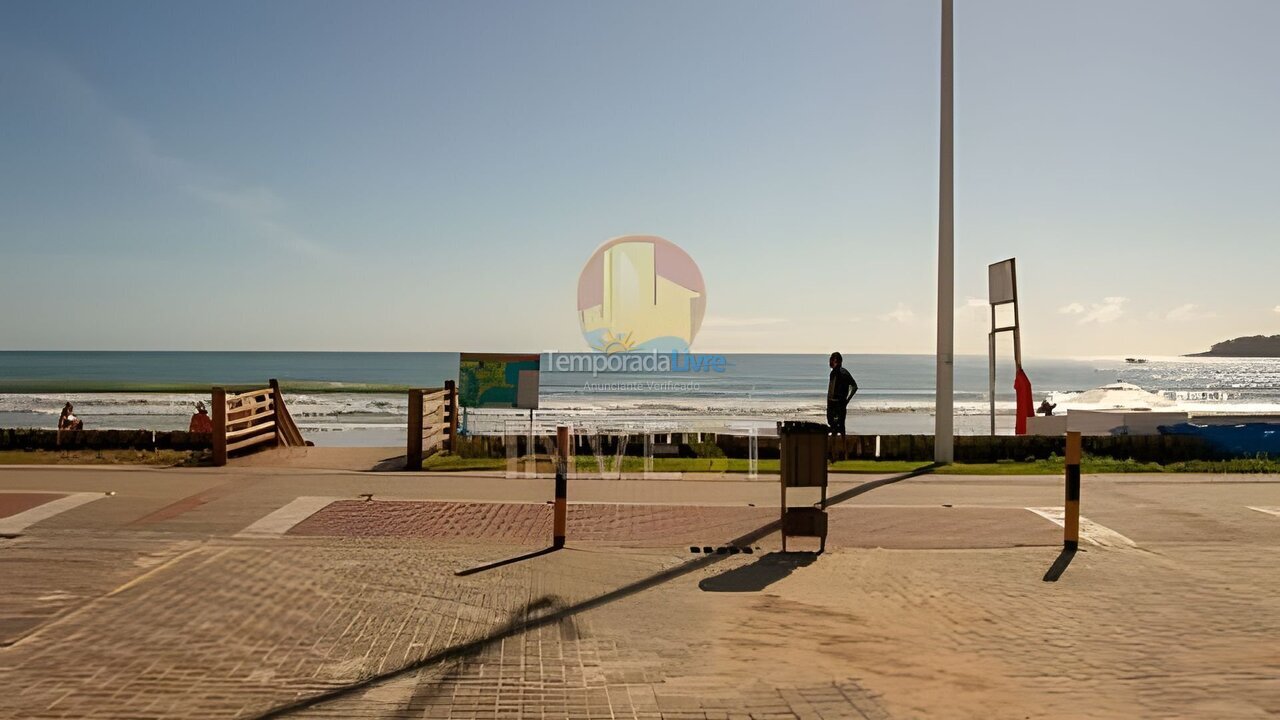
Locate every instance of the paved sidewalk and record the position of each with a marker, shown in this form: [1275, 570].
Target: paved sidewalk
[146, 605]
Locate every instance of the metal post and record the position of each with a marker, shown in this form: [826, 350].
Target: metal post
[944, 432]
[1017, 321]
[562, 484]
[991, 376]
[1071, 510]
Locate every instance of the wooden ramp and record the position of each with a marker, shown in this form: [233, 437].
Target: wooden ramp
[250, 421]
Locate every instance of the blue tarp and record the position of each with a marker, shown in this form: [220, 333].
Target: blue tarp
[1246, 440]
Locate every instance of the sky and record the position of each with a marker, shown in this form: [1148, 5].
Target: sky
[314, 175]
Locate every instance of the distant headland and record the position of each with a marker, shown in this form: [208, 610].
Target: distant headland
[1251, 346]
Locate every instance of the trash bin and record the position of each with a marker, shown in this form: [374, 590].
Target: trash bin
[803, 453]
[803, 463]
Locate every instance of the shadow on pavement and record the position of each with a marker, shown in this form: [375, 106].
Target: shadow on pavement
[518, 623]
[391, 464]
[523, 620]
[757, 576]
[869, 486]
[507, 561]
[1060, 565]
[430, 687]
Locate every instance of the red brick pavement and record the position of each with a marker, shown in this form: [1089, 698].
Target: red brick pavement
[192, 502]
[16, 502]
[674, 525]
[13, 503]
[529, 524]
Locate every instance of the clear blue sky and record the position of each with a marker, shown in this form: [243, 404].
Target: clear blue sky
[432, 176]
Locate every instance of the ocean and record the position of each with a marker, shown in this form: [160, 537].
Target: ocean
[354, 398]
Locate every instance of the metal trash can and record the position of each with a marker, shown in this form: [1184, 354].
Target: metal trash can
[803, 463]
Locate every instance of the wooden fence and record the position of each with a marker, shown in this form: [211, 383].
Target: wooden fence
[433, 423]
[250, 420]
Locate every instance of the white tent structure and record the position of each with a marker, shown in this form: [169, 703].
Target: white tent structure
[1119, 408]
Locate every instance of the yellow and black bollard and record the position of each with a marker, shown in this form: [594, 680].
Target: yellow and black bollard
[1071, 511]
[562, 484]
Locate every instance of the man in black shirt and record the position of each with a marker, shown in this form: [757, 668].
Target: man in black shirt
[840, 390]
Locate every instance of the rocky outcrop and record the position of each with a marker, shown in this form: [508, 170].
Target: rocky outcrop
[1252, 346]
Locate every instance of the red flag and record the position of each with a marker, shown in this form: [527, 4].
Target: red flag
[1022, 389]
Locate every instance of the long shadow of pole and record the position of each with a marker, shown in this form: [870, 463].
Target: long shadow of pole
[867, 487]
[507, 561]
[520, 623]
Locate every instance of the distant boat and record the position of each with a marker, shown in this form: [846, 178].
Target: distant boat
[1135, 360]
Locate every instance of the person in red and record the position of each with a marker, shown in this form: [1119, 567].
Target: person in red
[200, 421]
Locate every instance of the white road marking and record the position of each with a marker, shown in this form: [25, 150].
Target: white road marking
[278, 522]
[15, 524]
[1100, 535]
[1268, 510]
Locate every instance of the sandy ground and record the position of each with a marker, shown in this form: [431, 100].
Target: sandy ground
[325, 458]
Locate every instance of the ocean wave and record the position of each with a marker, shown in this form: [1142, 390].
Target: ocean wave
[327, 411]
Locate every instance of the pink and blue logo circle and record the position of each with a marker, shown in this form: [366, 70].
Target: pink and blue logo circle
[641, 293]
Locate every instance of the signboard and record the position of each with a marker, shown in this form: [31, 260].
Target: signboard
[1001, 285]
[1002, 289]
[495, 380]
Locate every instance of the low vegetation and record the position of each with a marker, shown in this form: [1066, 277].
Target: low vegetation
[160, 458]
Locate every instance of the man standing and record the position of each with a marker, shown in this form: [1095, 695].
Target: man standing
[840, 390]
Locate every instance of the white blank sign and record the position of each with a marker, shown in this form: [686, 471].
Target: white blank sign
[1000, 288]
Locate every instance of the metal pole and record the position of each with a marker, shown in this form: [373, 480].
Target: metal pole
[991, 377]
[1017, 322]
[943, 421]
[561, 510]
[1071, 509]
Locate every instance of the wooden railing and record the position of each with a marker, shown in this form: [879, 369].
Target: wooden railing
[433, 423]
[251, 419]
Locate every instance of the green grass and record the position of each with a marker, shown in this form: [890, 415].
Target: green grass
[443, 462]
[162, 458]
[877, 467]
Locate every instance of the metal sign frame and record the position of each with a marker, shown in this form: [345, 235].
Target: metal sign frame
[1006, 298]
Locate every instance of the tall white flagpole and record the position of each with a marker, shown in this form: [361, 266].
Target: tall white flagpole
[943, 433]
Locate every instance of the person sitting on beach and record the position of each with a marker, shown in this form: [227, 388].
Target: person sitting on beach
[200, 421]
[1046, 408]
[68, 420]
